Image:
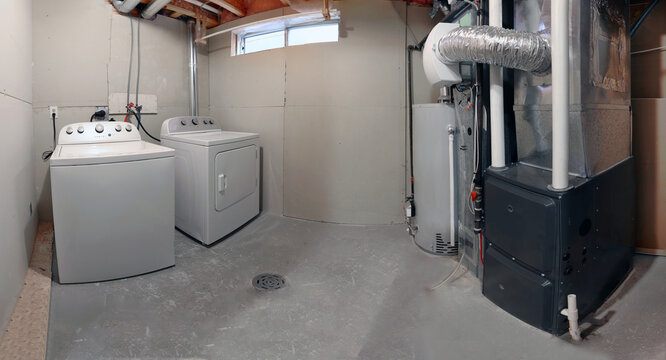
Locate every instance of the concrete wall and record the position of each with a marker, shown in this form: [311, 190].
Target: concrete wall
[17, 223]
[81, 50]
[331, 116]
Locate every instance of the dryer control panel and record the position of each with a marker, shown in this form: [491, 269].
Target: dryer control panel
[98, 132]
[187, 124]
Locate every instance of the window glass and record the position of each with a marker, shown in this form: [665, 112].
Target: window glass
[312, 34]
[262, 42]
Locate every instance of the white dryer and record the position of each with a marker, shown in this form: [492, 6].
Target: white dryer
[217, 176]
[113, 203]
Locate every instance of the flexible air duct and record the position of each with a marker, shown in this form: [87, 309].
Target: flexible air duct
[125, 6]
[513, 49]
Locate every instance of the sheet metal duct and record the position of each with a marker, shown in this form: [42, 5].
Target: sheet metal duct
[125, 6]
[153, 8]
[513, 49]
[599, 81]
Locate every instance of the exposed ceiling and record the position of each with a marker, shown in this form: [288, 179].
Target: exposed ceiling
[212, 13]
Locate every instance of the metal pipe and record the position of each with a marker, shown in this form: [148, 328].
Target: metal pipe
[153, 8]
[452, 189]
[643, 16]
[194, 96]
[497, 149]
[560, 63]
[125, 6]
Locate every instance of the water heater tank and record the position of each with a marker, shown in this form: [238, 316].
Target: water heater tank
[431, 177]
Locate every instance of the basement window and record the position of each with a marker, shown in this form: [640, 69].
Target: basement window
[319, 33]
[261, 42]
[279, 34]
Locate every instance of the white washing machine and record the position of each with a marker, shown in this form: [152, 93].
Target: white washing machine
[113, 203]
[217, 176]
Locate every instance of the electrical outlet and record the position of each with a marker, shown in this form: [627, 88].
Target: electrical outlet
[106, 109]
[53, 110]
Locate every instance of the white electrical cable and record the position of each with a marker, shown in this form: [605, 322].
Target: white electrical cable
[455, 270]
[471, 3]
[648, 50]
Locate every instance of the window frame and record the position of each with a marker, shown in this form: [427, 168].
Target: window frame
[239, 37]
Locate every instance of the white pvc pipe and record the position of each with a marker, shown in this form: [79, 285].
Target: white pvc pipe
[125, 6]
[452, 189]
[153, 8]
[559, 38]
[497, 155]
[571, 312]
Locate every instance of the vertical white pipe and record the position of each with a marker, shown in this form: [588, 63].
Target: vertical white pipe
[560, 63]
[571, 312]
[497, 155]
[452, 188]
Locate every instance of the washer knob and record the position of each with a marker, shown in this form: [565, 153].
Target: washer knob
[99, 128]
[211, 121]
[195, 121]
[69, 130]
[128, 127]
[118, 128]
[183, 122]
[205, 122]
[80, 129]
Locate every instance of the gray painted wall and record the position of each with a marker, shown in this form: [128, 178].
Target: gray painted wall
[81, 54]
[17, 225]
[331, 116]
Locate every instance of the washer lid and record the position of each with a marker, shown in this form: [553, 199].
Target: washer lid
[211, 138]
[102, 153]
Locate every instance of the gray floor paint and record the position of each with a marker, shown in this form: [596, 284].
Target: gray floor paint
[353, 292]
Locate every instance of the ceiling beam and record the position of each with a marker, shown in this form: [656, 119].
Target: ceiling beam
[190, 10]
[234, 6]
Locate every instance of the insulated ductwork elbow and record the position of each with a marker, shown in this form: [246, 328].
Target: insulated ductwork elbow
[508, 48]
[154, 8]
[125, 6]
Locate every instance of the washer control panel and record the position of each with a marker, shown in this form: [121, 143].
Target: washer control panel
[98, 132]
[185, 124]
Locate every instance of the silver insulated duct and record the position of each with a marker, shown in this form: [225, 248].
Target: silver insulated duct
[508, 48]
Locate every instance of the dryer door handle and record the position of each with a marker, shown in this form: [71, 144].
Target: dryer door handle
[221, 183]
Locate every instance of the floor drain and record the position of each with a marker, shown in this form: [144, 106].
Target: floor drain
[268, 282]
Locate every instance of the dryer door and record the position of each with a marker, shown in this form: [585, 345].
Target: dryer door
[235, 176]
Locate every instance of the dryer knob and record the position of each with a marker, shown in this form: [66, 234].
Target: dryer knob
[128, 127]
[99, 128]
[205, 122]
[118, 128]
[211, 121]
[69, 130]
[195, 121]
[183, 122]
[80, 129]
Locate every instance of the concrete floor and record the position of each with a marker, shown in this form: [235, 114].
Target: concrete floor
[353, 292]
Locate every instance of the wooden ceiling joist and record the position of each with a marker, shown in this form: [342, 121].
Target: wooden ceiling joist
[237, 7]
[189, 10]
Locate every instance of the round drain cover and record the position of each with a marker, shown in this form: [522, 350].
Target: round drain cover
[268, 282]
